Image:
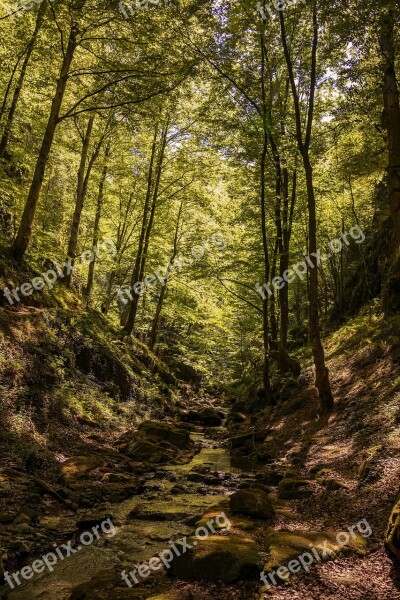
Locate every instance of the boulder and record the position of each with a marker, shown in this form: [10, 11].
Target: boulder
[252, 502]
[155, 443]
[294, 489]
[179, 438]
[77, 467]
[285, 546]
[226, 558]
[392, 538]
[247, 440]
[206, 416]
[269, 477]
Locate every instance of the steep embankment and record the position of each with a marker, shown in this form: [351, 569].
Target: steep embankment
[333, 475]
[70, 387]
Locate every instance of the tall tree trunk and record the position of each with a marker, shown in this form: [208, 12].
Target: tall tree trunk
[134, 305]
[21, 78]
[274, 324]
[391, 117]
[284, 361]
[81, 189]
[128, 317]
[266, 342]
[96, 226]
[391, 121]
[9, 84]
[161, 297]
[321, 371]
[25, 228]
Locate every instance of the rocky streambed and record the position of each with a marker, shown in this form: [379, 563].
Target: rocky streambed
[159, 484]
[165, 502]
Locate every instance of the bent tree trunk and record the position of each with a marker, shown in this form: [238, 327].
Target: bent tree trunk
[21, 78]
[25, 228]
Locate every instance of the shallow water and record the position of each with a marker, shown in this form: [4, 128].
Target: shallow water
[161, 519]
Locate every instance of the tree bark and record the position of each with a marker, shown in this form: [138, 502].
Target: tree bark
[128, 321]
[266, 342]
[321, 371]
[391, 118]
[25, 228]
[161, 297]
[81, 190]
[20, 81]
[96, 226]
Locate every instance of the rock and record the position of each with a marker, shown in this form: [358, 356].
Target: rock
[392, 538]
[20, 546]
[90, 521]
[247, 440]
[293, 489]
[254, 486]
[6, 518]
[156, 443]
[22, 518]
[77, 467]
[179, 438]
[238, 417]
[252, 502]
[270, 477]
[178, 489]
[331, 484]
[263, 453]
[210, 417]
[217, 558]
[23, 528]
[284, 546]
[173, 595]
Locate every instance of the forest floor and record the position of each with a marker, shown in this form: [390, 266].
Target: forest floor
[349, 469]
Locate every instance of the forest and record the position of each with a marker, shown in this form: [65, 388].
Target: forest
[199, 299]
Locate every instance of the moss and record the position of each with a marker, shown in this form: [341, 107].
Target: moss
[286, 546]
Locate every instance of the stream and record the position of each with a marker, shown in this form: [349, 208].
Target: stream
[174, 496]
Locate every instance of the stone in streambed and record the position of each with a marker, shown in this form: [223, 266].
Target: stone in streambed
[286, 546]
[293, 489]
[252, 502]
[217, 558]
[78, 466]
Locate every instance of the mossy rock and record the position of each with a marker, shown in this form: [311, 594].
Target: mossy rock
[179, 438]
[293, 489]
[392, 538]
[226, 558]
[252, 502]
[331, 484]
[285, 546]
[77, 467]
